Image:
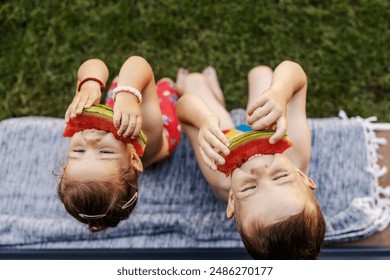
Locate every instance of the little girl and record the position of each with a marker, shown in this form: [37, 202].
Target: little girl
[99, 185]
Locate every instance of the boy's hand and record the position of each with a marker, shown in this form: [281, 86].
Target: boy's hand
[127, 115]
[85, 98]
[269, 110]
[212, 140]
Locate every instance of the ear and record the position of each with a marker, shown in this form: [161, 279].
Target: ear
[308, 182]
[135, 160]
[230, 205]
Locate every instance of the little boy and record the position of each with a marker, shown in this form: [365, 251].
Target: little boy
[270, 196]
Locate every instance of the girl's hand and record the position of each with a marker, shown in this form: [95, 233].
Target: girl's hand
[85, 98]
[211, 141]
[127, 115]
[267, 111]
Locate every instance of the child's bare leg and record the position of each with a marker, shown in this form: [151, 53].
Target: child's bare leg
[259, 80]
[180, 78]
[196, 83]
[211, 76]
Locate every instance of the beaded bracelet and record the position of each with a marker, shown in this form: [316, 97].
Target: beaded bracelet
[131, 90]
[102, 85]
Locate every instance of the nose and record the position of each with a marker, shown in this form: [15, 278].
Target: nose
[92, 135]
[259, 168]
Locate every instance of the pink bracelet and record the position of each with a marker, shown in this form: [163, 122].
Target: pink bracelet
[102, 85]
[131, 90]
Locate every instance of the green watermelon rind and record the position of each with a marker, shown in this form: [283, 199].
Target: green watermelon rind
[100, 109]
[106, 113]
[247, 136]
[249, 144]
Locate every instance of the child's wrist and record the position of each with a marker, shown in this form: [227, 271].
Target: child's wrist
[277, 87]
[127, 90]
[282, 88]
[90, 85]
[211, 118]
[92, 82]
[126, 97]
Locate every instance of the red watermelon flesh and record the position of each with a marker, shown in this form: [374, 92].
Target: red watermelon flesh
[248, 144]
[100, 117]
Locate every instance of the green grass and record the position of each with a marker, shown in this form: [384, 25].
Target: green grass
[342, 45]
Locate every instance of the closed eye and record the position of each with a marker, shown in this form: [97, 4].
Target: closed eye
[106, 152]
[78, 150]
[279, 176]
[248, 188]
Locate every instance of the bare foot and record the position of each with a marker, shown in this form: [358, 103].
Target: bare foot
[212, 79]
[180, 78]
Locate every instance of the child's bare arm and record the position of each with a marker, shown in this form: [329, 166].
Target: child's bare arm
[89, 92]
[289, 82]
[191, 110]
[136, 73]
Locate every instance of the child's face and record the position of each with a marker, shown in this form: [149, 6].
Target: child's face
[267, 188]
[96, 155]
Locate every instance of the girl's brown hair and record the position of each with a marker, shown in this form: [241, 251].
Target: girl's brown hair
[90, 198]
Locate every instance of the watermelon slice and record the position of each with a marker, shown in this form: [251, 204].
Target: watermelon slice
[100, 117]
[244, 145]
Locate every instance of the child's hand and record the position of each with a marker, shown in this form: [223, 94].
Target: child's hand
[85, 98]
[267, 110]
[212, 140]
[127, 115]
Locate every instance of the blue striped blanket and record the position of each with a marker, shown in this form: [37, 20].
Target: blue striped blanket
[176, 207]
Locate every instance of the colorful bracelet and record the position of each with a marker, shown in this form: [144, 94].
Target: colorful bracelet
[102, 85]
[131, 90]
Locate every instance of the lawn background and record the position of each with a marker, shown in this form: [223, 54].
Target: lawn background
[342, 45]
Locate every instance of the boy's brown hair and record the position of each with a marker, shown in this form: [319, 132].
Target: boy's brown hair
[87, 198]
[298, 237]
